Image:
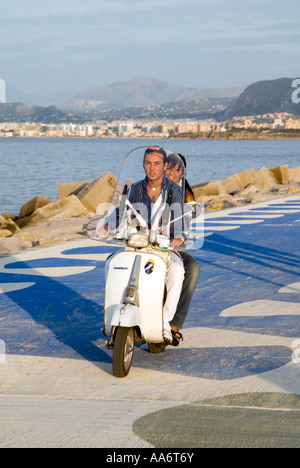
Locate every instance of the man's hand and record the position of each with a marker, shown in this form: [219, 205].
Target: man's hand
[178, 241]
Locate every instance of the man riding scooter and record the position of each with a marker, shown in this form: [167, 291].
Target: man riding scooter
[153, 192]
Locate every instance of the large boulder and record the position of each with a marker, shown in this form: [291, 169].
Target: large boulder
[5, 233]
[49, 232]
[97, 192]
[29, 207]
[221, 202]
[11, 244]
[70, 188]
[9, 225]
[265, 178]
[68, 207]
[281, 174]
[293, 190]
[247, 177]
[294, 174]
[209, 189]
[228, 185]
[8, 216]
[231, 184]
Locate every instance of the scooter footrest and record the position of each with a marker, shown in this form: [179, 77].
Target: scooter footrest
[109, 344]
[174, 342]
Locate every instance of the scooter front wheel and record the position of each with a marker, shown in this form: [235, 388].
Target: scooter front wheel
[123, 351]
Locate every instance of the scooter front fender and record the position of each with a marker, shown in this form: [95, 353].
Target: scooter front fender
[128, 316]
[121, 315]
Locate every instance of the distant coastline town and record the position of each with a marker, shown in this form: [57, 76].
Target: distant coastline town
[282, 125]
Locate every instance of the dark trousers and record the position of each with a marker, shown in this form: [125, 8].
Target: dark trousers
[191, 276]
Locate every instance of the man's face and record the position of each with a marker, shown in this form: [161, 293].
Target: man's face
[154, 166]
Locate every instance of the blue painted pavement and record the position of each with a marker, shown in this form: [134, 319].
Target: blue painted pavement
[51, 299]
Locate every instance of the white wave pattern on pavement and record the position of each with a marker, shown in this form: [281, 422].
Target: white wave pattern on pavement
[266, 308]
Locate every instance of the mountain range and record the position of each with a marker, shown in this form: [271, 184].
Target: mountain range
[264, 97]
[139, 91]
[148, 98]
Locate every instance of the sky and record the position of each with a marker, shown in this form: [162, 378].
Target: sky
[72, 45]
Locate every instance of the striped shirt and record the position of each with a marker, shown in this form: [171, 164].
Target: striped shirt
[139, 198]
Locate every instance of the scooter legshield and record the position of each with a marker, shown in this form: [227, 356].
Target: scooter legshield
[147, 312]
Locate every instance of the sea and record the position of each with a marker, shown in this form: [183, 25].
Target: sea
[36, 166]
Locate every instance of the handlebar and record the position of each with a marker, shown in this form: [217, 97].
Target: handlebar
[139, 241]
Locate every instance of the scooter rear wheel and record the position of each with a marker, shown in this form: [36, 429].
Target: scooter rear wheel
[123, 351]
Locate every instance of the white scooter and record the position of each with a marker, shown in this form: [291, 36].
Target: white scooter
[135, 276]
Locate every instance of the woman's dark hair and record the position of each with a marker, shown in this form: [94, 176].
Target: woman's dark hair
[177, 158]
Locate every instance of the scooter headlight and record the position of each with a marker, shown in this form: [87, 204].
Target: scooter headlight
[138, 241]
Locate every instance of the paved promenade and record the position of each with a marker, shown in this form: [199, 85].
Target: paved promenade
[234, 380]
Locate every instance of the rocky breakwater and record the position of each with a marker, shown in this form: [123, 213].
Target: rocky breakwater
[42, 221]
[248, 187]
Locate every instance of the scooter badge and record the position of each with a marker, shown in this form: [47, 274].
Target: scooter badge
[149, 267]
